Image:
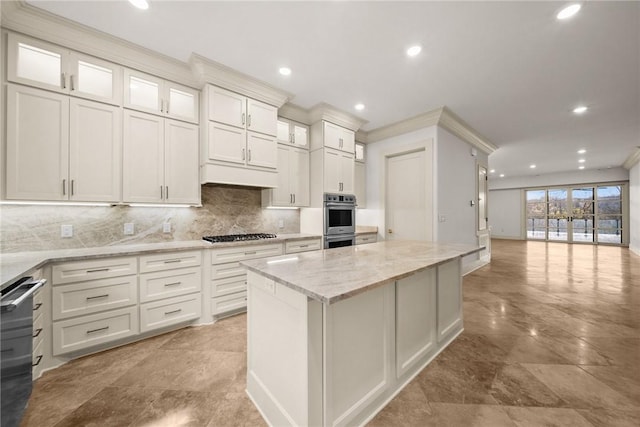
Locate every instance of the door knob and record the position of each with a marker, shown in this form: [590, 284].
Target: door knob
[390, 231]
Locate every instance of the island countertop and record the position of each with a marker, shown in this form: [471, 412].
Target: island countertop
[331, 275]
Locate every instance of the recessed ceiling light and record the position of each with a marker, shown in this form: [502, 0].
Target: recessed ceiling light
[582, 151]
[492, 171]
[140, 4]
[501, 175]
[414, 50]
[569, 11]
[285, 71]
[579, 110]
[581, 160]
[580, 167]
[359, 107]
[532, 166]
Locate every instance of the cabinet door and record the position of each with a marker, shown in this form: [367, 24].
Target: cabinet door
[359, 188]
[283, 133]
[348, 140]
[181, 170]
[143, 92]
[347, 173]
[181, 102]
[143, 159]
[95, 141]
[282, 194]
[332, 135]
[37, 144]
[359, 152]
[227, 107]
[332, 171]
[95, 79]
[227, 143]
[300, 135]
[299, 176]
[37, 63]
[262, 150]
[262, 117]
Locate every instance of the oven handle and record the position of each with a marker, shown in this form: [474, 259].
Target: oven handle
[340, 205]
[13, 304]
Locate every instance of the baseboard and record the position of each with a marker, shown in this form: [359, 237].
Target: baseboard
[493, 236]
[635, 249]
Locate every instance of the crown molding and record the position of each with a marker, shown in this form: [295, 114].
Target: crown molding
[26, 19]
[362, 136]
[632, 160]
[450, 121]
[442, 117]
[208, 71]
[411, 124]
[324, 111]
[295, 112]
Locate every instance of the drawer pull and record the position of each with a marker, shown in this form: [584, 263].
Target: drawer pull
[166, 313]
[97, 330]
[304, 246]
[172, 284]
[172, 261]
[97, 296]
[250, 253]
[38, 305]
[98, 270]
[37, 332]
[37, 361]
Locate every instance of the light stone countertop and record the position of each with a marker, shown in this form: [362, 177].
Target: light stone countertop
[332, 275]
[15, 265]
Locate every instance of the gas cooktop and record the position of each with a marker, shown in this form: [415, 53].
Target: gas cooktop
[238, 237]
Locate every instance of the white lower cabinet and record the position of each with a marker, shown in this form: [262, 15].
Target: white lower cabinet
[170, 311]
[362, 239]
[449, 299]
[229, 303]
[311, 244]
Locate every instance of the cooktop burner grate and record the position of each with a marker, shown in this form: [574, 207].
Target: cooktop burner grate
[238, 237]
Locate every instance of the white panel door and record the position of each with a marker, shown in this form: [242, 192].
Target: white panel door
[262, 150]
[348, 142]
[332, 135]
[262, 117]
[332, 172]
[405, 197]
[143, 159]
[282, 132]
[181, 102]
[143, 92]
[227, 107]
[181, 171]
[299, 176]
[227, 143]
[282, 194]
[95, 141]
[95, 79]
[37, 144]
[300, 135]
[37, 63]
[347, 173]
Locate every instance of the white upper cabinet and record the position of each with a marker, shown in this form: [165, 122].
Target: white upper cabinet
[151, 94]
[227, 107]
[359, 187]
[47, 66]
[339, 138]
[262, 150]
[261, 117]
[227, 143]
[359, 152]
[293, 179]
[293, 133]
[338, 172]
[73, 144]
[181, 170]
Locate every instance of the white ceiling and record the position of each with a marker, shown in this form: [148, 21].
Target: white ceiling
[509, 69]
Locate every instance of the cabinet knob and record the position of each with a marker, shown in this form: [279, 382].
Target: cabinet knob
[390, 231]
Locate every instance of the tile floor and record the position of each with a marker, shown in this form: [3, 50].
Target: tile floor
[552, 338]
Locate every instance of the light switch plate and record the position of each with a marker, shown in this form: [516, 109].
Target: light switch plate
[166, 227]
[128, 228]
[66, 231]
[281, 223]
[442, 218]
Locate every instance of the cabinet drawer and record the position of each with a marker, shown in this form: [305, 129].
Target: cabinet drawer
[366, 238]
[170, 261]
[229, 285]
[38, 331]
[165, 284]
[241, 253]
[303, 246]
[91, 297]
[170, 311]
[228, 303]
[94, 269]
[87, 331]
[230, 269]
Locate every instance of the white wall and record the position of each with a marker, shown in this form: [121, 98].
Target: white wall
[565, 178]
[634, 208]
[505, 213]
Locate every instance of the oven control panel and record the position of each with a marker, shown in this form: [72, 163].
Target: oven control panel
[344, 198]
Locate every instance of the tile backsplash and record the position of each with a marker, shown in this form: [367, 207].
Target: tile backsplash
[226, 210]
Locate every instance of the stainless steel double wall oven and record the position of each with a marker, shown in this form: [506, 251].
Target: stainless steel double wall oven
[339, 220]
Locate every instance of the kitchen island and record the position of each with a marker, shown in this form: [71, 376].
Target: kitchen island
[333, 335]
